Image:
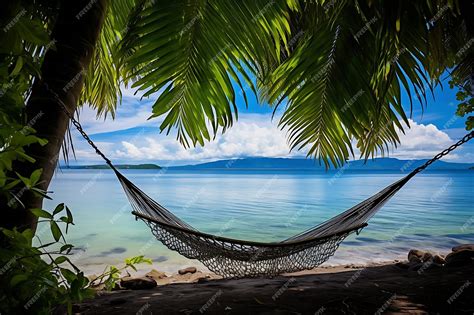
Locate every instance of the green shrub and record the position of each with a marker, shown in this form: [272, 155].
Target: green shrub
[36, 279]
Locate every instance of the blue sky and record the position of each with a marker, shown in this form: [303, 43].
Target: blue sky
[131, 138]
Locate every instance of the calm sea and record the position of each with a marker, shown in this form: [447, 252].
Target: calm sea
[434, 211]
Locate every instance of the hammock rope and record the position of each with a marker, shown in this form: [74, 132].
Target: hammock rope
[233, 258]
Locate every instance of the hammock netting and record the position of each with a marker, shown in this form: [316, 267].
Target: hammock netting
[238, 258]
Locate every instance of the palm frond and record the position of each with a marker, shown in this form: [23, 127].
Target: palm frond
[102, 79]
[193, 51]
[381, 51]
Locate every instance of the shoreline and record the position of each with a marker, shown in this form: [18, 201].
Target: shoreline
[425, 283]
[171, 271]
[355, 289]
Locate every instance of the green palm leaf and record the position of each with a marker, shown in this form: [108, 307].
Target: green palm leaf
[193, 51]
[102, 78]
[346, 88]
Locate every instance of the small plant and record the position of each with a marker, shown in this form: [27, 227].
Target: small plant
[37, 279]
[111, 274]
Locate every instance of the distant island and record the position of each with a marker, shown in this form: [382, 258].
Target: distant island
[257, 163]
[118, 166]
[287, 164]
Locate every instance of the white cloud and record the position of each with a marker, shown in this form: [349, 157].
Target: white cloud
[422, 141]
[252, 135]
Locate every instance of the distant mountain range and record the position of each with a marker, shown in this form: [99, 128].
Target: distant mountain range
[309, 164]
[257, 163]
[118, 166]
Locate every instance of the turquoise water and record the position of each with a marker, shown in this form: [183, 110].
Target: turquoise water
[433, 211]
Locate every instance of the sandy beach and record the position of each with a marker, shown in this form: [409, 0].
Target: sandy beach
[388, 288]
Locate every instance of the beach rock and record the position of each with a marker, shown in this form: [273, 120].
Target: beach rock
[155, 274]
[415, 255]
[439, 259]
[460, 258]
[462, 247]
[187, 270]
[191, 277]
[141, 283]
[426, 257]
[414, 259]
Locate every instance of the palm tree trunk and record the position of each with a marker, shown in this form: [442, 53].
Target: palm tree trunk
[75, 35]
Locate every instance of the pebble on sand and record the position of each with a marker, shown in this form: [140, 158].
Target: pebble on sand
[155, 274]
[187, 270]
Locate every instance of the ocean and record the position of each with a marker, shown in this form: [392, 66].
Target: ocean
[434, 211]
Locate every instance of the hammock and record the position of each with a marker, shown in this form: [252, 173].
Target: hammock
[239, 258]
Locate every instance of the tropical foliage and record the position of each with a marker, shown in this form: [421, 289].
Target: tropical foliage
[37, 272]
[38, 275]
[36, 279]
[339, 67]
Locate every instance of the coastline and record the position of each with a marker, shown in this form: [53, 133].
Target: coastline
[385, 288]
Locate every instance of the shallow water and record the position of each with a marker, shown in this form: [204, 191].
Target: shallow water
[433, 211]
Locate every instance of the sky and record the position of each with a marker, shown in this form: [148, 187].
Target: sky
[133, 139]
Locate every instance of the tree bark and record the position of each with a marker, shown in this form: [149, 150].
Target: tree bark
[75, 35]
